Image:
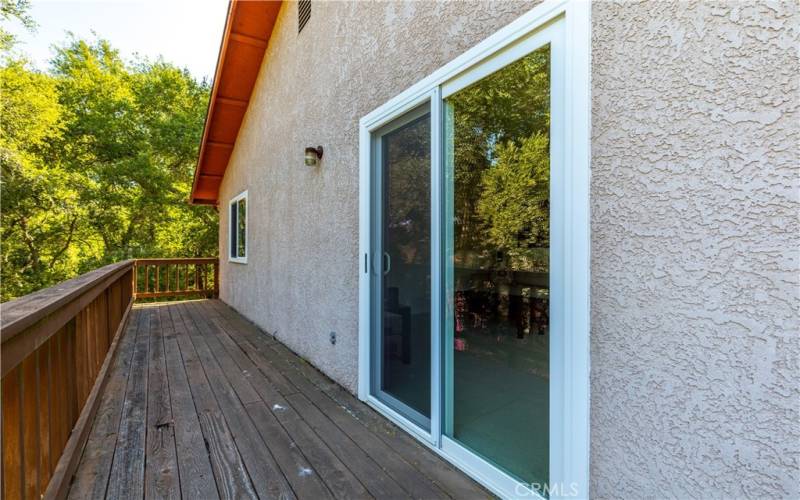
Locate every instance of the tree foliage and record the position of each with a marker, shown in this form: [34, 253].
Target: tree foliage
[500, 146]
[97, 162]
[515, 201]
[14, 9]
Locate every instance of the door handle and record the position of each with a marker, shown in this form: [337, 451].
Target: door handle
[387, 259]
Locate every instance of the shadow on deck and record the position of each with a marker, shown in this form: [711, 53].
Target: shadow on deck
[201, 404]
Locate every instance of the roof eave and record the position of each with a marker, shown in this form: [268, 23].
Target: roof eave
[248, 28]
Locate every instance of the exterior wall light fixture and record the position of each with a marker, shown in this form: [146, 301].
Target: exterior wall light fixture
[313, 155]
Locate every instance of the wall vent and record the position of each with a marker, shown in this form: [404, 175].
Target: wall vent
[303, 14]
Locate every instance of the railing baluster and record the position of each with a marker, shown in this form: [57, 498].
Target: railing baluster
[43, 382]
[69, 361]
[12, 445]
[58, 397]
[30, 426]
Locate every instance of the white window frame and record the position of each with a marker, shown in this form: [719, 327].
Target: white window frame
[234, 244]
[569, 417]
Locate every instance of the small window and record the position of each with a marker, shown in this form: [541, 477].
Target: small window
[303, 14]
[237, 243]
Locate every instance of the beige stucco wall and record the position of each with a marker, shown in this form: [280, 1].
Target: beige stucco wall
[695, 237]
[695, 329]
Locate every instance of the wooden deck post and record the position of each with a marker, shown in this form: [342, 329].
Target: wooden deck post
[216, 279]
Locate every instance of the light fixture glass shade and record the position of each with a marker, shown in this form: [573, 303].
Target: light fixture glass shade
[312, 156]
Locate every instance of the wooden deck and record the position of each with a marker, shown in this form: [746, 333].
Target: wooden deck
[202, 404]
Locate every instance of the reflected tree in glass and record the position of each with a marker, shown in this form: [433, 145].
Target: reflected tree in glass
[497, 239]
[241, 232]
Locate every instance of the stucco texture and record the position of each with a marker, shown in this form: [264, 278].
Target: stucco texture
[695, 333]
[694, 338]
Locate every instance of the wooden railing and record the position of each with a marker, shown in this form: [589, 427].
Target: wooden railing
[164, 278]
[56, 347]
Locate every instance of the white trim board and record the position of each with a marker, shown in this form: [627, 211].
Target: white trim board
[235, 200]
[569, 459]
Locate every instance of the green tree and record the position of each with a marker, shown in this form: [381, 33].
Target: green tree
[500, 141]
[515, 201]
[134, 131]
[97, 164]
[39, 204]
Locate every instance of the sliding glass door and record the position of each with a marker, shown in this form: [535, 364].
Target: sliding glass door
[474, 331]
[401, 285]
[493, 329]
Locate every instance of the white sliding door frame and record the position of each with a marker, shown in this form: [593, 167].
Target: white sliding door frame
[569, 404]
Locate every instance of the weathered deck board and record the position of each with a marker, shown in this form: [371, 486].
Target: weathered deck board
[91, 478]
[127, 468]
[267, 479]
[201, 403]
[292, 461]
[337, 477]
[194, 465]
[229, 470]
[161, 466]
[440, 472]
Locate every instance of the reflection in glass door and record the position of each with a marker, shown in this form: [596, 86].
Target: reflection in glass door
[401, 274]
[496, 267]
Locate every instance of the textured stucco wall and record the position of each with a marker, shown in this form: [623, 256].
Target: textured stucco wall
[695, 235]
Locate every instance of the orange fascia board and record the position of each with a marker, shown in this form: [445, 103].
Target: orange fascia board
[248, 29]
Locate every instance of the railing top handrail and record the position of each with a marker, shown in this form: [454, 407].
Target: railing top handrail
[18, 314]
[177, 260]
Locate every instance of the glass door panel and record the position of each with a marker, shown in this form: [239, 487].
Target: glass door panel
[496, 266]
[402, 266]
